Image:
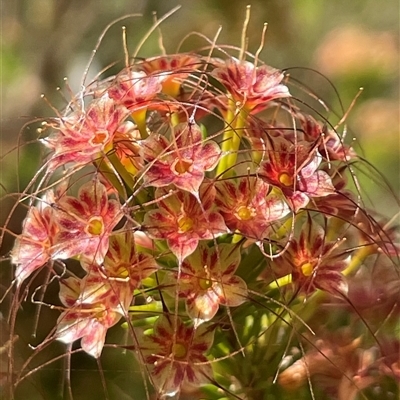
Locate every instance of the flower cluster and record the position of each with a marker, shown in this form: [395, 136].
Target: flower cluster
[197, 196]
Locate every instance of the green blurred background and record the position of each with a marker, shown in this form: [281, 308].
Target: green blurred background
[353, 43]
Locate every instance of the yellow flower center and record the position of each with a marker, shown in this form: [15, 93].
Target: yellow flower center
[95, 226]
[100, 313]
[286, 179]
[122, 271]
[205, 283]
[245, 213]
[307, 269]
[179, 350]
[185, 223]
[182, 166]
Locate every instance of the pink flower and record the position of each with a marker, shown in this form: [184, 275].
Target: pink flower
[93, 307]
[134, 90]
[34, 247]
[293, 168]
[315, 263]
[86, 222]
[104, 295]
[83, 136]
[339, 359]
[339, 204]
[181, 161]
[248, 207]
[123, 265]
[332, 146]
[183, 220]
[174, 354]
[208, 280]
[172, 69]
[253, 87]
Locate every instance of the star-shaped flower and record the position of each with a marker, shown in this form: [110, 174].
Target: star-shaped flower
[123, 264]
[86, 222]
[93, 307]
[207, 280]
[84, 135]
[253, 87]
[293, 167]
[332, 146]
[182, 161]
[172, 69]
[134, 90]
[183, 220]
[314, 262]
[34, 247]
[175, 355]
[103, 296]
[248, 206]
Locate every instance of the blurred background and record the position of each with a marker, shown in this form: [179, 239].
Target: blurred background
[352, 43]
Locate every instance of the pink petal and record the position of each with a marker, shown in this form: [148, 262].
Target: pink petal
[332, 282]
[298, 201]
[182, 246]
[71, 327]
[94, 196]
[69, 291]
[29, 257]
[93, 342]
[202, 306]
[233, 292]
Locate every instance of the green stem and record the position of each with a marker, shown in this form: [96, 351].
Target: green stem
[357, 259]
[235, 123]
[109, 174]
[280, 282]
[129, 181]
[122, 172]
